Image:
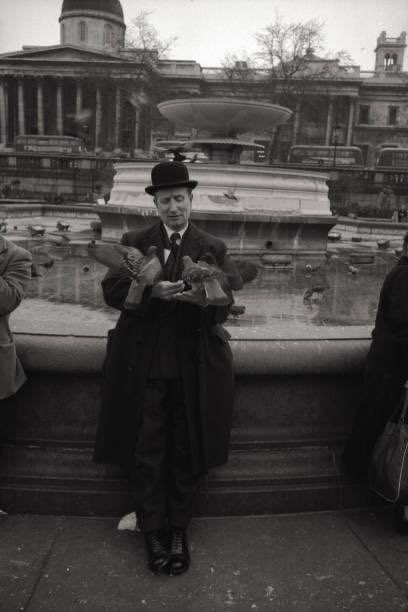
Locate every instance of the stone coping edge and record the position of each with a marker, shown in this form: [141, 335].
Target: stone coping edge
[85, 355]
[372, 223]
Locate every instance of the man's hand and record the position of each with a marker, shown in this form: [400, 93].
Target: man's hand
[166, 290]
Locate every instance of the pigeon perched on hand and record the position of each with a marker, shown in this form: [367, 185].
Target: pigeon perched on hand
[204, 280]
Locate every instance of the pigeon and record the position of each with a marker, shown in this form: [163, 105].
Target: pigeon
[36, 230]
[352, 269]
[247, 270]
[234, 274]
[204, 280]
[230, 194]
[62, 227]
[112, 255]
[315, 293]
[145, 272]
[57, 239]
[236, 310]
[310, 269]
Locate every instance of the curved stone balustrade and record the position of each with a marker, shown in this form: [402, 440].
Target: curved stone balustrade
[252, 356]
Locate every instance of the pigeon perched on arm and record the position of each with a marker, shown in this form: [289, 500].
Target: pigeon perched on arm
[146, 272]
[112, 255]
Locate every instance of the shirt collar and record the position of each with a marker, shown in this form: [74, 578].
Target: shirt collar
[170, 231]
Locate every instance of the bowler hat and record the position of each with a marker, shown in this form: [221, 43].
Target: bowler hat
[169, 174]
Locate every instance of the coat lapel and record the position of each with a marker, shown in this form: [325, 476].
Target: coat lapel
[192, 243]
[153, 237]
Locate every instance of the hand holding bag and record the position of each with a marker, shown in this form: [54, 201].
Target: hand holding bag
[388, 471]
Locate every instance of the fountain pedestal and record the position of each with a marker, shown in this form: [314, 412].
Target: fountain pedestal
[253, 208]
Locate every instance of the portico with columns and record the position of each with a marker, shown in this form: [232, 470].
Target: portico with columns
[99, 103]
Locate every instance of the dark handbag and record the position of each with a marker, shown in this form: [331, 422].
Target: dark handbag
[388, 470]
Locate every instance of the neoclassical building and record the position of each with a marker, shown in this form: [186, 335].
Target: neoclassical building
[92, 85]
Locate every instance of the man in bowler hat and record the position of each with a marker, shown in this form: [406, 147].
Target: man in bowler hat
[168, 383]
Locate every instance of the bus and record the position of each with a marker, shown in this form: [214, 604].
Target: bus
[49, 144]
[317, 155]
[392, 158]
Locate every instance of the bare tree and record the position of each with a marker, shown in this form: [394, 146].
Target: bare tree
[287, 52]
[144, 39]
[238, 69]
[291, 55]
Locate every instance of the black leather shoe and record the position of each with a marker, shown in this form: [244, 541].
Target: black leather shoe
[401, 519]
[157, 553]
[179, 561]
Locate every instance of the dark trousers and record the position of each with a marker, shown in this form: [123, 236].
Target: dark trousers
[163, 484]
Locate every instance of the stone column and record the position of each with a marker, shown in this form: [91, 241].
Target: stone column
[98, 118]
[137, 128]
[20, 107]
[329, 122]
[117, 119]
[40, 107]
[3, 115]
[78, 105]
[60, 110]
[296, 123]
[350, 124]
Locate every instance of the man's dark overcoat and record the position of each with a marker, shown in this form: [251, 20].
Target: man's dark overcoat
[386, 369]
[206, 361]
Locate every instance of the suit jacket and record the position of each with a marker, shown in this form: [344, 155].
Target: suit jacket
[206, 360]
[15, 272]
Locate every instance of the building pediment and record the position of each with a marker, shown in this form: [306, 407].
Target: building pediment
[61, 53]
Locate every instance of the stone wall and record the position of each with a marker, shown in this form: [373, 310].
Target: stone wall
[294, 404]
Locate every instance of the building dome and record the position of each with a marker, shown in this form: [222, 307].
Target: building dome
[95, 24]
[112, 7]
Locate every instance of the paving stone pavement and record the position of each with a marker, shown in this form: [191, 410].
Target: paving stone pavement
[316, 562]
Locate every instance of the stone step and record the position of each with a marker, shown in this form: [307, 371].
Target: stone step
[63, 480]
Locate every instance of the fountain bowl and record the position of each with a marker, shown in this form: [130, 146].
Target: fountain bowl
[224, 116]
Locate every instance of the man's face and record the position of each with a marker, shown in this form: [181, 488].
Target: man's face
[174, 206]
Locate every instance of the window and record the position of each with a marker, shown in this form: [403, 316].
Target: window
[108, 35]
[28, 162]
[390, 61]
[62, 33]
[392, 115]
[83, 31]
[364, 114]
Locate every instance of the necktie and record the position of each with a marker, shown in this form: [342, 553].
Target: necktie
[175, 240]
[170, 267]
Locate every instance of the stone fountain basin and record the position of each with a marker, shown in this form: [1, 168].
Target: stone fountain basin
[224, 116]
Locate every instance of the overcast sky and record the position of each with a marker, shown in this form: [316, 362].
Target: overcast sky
[207, 29]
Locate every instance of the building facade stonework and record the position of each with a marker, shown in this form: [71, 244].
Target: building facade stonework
[91, 85]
